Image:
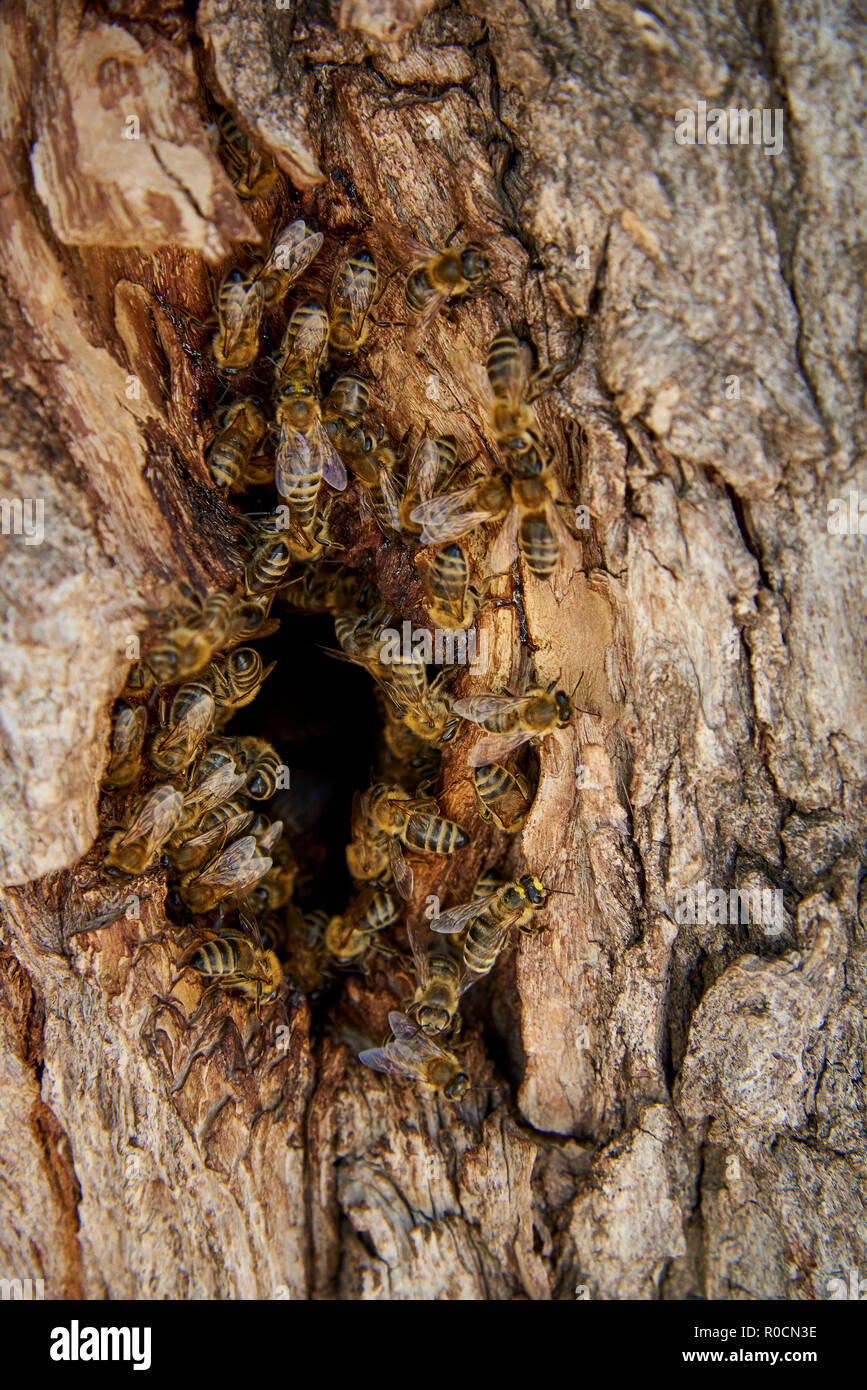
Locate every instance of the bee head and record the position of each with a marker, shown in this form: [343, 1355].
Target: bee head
[474, 263]
[536, 892]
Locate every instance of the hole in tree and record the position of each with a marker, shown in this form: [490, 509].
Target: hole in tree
[320, 714]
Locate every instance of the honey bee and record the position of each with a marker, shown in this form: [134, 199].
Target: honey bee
[304, 343]
[231, 873]
[125, 765]
[450, 599]
[367, 856]
[413, 1056]
[305, 961]
[213, 781]
[373, 466]
[261, 765]
[187, 647]
[294, 250]
[240, 302]
[450, 515]
[190, 719]
[252, 171]
[505, 797]
[241, 427]
[414, 822]
[349, 303]
[268, 566]
[437, 997]
[513, 420]
[201, 841]
[443, 276]
[235, 680]
[349, 937]
[133, 850]
[431, 466]
[305, 458]
[491, 919]
[511, 720]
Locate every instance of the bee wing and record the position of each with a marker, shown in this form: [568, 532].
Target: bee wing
[404, 879]
[329, 462]
[493, 748]
[157, 816]
[214, 789]
[237, 867]
[479, 708]
[423, 471]
[355, 288]
[448, 923]
[249, 923]
[294, 250]
[390, 498]
[443, 518]
[296, 460]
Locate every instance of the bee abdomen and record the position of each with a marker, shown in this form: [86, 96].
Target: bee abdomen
[435, 835]
[216, 958]
[539, 547]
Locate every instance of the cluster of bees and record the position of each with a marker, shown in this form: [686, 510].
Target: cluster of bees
[198, 815]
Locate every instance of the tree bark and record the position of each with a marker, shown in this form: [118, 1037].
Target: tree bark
[665, 1108]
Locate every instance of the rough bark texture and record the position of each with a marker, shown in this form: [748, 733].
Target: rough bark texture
[672, 1110]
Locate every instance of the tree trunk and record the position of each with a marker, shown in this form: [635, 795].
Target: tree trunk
[669, 1103]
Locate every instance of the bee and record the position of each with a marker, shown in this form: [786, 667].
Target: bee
[505, 797]
[213, 781]
[373, 466]
[513, 420]
[241, 427]
[437, 997]
[261, 765]
[304, 949]
[367, 854]
[443, 276]
[490, 919]
[304, 343]
[133, 850]
[252, 171]
[349, 937]
[294, 250]
[412, 1056]
[450, 515]
[190, 719]
[414, 822]
[268, 566]
[349, 303]
[201, 841]
[190, 644]
[322, 590]
[125, 766]
[236, 679]
[231, 873]
[511, 720]
[240, 302]
[305, 457]
[450, 599]
[431, 466]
